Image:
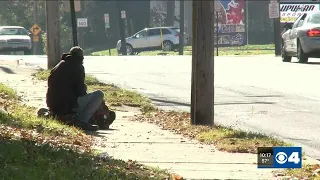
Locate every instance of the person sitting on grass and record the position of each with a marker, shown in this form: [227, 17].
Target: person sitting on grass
[67, 91]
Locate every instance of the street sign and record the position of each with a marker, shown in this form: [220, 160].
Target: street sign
[274, 10]
[35, 29]
[106, 21]
[35, 38]
[82, 22]
[123, 14]
[217, 6]
[77, 5]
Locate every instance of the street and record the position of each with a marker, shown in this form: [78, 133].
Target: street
[258, 93]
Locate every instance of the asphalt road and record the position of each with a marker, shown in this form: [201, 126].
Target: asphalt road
[257, 93]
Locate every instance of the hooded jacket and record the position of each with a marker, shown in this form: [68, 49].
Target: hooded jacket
[65, 85]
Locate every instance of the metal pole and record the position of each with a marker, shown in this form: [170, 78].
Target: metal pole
[181, 36]
[74, 23]
[122, 31]
[217, 32]
[277, 34]
[247, 20]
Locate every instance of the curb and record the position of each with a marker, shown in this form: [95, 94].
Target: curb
[11, 62]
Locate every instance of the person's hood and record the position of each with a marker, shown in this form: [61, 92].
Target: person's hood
[73, 59]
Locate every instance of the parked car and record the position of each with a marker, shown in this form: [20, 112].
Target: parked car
[302, 39]
[150, 39]
[15, 38]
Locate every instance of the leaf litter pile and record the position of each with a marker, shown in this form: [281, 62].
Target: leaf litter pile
[80, 142]
[35, 148]
[225, 139]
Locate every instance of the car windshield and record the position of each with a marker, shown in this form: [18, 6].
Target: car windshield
[13, 31]
[314, 19]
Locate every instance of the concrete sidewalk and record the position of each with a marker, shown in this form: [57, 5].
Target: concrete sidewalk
[147, 143]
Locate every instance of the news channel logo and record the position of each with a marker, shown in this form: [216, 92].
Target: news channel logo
[279, 157]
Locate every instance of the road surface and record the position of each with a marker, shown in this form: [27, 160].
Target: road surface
[257, 93]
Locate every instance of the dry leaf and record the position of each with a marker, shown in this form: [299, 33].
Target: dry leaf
[176, 177]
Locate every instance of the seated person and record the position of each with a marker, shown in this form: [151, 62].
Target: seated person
[67, 92]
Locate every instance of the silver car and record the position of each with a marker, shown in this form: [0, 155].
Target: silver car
[150, 39]
[15, 38]
[302, 40]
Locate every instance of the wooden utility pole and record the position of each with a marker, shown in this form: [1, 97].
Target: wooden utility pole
[53, 32]
[181, 36]
[202, 63]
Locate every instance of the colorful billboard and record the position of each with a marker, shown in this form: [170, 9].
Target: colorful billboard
[231, 23]
[289, 12]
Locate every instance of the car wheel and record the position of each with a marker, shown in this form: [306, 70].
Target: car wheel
[284, 55]
[302, 57]
[167, 45]
[129, 49]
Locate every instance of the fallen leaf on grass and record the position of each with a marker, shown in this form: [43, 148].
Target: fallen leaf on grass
[176, 177]
[82, 143]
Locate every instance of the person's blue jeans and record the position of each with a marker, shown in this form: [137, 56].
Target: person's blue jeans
[88, 105]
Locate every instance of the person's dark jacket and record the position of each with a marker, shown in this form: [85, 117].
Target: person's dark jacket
[65, 85]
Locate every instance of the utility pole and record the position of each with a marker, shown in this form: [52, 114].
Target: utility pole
[123, 48]
[202, 84]
[181, 36]
[74, 23]
[35, 21]
[53, 32]
[277, 33]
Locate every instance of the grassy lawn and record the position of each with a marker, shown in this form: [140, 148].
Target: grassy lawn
[306, 172]
[222, 51]
[35, 148]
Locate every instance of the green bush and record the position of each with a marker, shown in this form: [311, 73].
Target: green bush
[44, 41]
[65, 39]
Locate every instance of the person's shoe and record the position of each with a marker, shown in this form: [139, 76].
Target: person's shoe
[86, 126]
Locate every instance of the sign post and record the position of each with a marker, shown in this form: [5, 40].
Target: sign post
[107, 25]
[35, 30]
[106, 21]
[217, 8]
[274, 10]
[274, 13]
[123, 14]
[82, 22]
